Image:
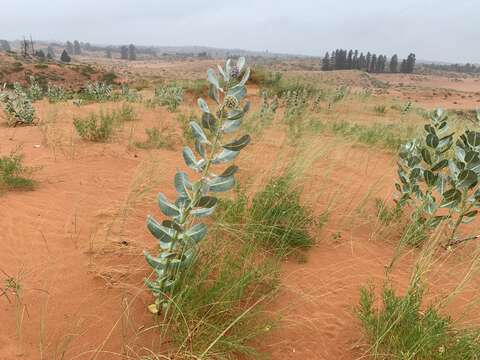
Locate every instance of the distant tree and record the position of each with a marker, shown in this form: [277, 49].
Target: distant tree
[326, 62]
[368, 61]
[132, 52]
[87, 46]
[108, 53]
[77, 50]
[124, 52]
[393, 66]
[50, 52]
[350, 60]
[355, 60]
[381, 62]
[362, 62]
[65, 57]
[410, 66]
[403, 66]
[5, 45]
[69, 47]
[333, 66]
[373, 63]
[40, 55]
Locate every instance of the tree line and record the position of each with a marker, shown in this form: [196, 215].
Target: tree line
[461, 68]
[342, 59]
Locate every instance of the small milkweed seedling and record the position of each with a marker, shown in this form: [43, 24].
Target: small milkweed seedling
[439, 176]
[179, 235]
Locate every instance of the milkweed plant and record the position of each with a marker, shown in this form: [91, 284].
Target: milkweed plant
[440, 177]
[179, 234]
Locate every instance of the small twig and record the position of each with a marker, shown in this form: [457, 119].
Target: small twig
[459, 241]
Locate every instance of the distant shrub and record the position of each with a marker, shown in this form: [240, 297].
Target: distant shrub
[35, 91]
[18, 107]
[97, 128]
[97, 91]
[170, 96]
[57, 93]
[13, 175]
[65, 57]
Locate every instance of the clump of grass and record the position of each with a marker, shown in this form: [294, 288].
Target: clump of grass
[126, 113]
[274, 218]
[13, 174]
[380, 109]
[96, 127]
[157, 139]
[57, 93]
[389, 136]
[277, 218]
[219, 311]
[387, 214]
[402, 330]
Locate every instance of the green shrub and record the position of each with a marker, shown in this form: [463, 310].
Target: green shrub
[97, 128]
[401, 329]
[13, 175]
[170, 96]
[157, 139]
[18, 107]
[439, 176]
[57, 93]
[97, 92]
[35, 91]
[277, 220]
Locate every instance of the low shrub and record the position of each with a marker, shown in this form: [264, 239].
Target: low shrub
[170, 96]
[18, 107]
[96, 127]
[380, 109]
[57, 93]
[13, 175]
[401, 329]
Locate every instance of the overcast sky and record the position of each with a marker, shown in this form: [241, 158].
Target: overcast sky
[433, 29]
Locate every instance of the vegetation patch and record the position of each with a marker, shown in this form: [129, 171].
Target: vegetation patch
[401, 329]
[13, 174]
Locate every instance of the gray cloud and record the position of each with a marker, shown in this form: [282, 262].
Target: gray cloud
[433, 29]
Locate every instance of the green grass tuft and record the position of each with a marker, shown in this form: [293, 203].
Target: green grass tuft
[402, 330]
[13, 175]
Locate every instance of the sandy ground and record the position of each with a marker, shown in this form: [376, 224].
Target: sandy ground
[74, 244]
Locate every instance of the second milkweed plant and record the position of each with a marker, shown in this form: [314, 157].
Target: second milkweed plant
[179, 234]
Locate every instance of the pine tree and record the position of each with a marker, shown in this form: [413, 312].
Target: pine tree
[326, 62]
[5, 45]
[50, 52]
[393, 66]
[368, 61]
[65, 57]
[355, 60]
[77, 50]
[362, 62]
[69, 47]
[132, 52]
[124, 53]
[40, 55]
[410, 66]
[350, 60]
[333, 65]
[373, 63]
[108, 53]
[403, 66]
